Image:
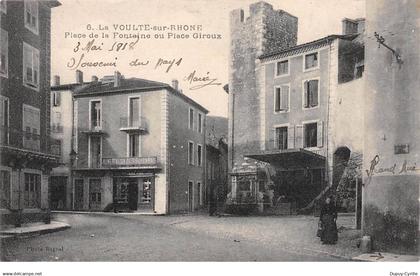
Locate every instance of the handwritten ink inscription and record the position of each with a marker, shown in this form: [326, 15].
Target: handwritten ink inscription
[394, 169]
[200, 81]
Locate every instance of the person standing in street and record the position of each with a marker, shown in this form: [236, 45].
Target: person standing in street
[328, 218]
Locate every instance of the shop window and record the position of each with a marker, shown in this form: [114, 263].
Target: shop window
[4, 189]
[32, 193]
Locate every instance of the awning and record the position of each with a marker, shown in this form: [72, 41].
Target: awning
[290, 158]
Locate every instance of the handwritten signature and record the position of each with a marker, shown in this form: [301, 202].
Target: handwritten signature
[203, 80]
[374, 169]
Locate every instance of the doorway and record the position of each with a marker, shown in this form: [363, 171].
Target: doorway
[58, 192]
[78, 194]
[95, 194]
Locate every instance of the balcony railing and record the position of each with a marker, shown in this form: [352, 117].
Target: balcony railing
[95, 128]
[133, 125]
[29, 141]
[150, 161]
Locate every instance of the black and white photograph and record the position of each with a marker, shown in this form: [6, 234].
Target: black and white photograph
[278, 135]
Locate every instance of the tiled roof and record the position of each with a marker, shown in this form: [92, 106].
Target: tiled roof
[305, 47]
[128, 85]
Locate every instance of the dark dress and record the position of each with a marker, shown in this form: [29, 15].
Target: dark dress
[329, 233]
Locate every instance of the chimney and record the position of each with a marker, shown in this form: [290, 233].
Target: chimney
[175, 84]
[94, 79]
[79, 76]
[349, 26]
[56, 80]
[117, 79]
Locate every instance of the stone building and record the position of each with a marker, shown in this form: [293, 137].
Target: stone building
[62, 130]
[216, 162]
[295, 114]
[27, 152]
[392, 126]
[138, 145]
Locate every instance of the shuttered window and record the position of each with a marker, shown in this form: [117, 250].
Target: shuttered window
[311, 61]
[310, 93]
[281, 138]
[281, 99]
[30, 66]
[31, 127]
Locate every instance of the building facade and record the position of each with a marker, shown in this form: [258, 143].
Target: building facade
[392, 127]
[216, 163]
[288, 106]
[27, 152]
[138, 145]
[61, 102]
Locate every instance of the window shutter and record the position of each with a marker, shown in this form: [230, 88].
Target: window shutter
[276, 137]
[320, 134]
[291, 137]
[314, 93]
[284, 101]
[305, 94]
[299, 136]
[277, 100]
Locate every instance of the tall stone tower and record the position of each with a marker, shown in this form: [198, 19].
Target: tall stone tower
[264, 31]
[392, 126]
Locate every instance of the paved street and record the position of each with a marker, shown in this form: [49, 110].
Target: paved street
[173, 238]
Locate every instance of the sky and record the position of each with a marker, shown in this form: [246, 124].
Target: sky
[200, 57]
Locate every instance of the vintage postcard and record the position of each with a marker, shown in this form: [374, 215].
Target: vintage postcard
[209, 131]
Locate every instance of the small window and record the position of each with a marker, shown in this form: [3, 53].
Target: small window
[282, 68]
[281, 99]
[56, 98]
[31, 16]
[311, 61]
[191, 119]
[200, 122]
[30, 66]
[311, 93]
[310, 135]
[281, 138]
[4, 53]
[199, 155]
[190, 153]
